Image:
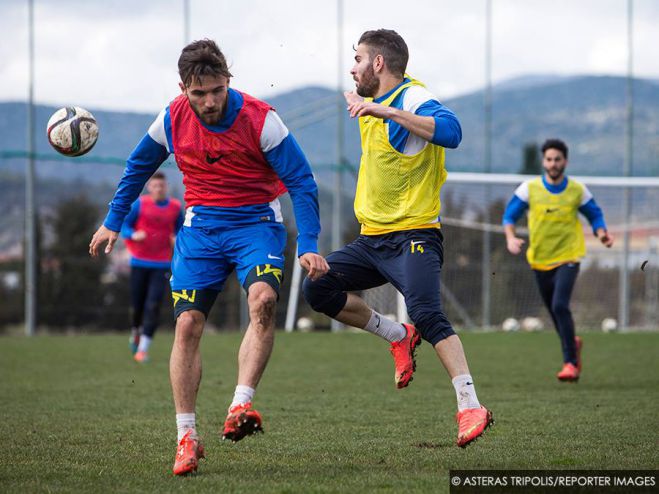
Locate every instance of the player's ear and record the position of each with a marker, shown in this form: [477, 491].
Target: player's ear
[182, 86]
[378, 63]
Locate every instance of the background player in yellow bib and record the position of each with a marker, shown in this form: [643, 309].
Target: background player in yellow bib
[404, 130]
[556, 243]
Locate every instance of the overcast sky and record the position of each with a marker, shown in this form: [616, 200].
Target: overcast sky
[122, 54]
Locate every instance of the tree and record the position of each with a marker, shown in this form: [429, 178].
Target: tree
[531, 164]
[71, 283]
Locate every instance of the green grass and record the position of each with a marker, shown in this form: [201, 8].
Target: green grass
[79, 416]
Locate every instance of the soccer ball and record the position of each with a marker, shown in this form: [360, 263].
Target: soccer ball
[305, 324]
[532, 324]
[72, 131]
[609, 325]
[510, 324]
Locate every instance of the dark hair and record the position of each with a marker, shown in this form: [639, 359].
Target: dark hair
[555, 144]
[390, 45]
[158, 176]
[201, 58]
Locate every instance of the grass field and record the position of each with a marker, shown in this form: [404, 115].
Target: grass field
[79, 416]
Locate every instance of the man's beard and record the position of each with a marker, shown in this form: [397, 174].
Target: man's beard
[555, 173]
[369, 84]
[208, 119]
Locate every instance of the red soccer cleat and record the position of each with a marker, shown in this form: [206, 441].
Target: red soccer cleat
[134, 340]
[141, 357]
[403, 352]
[241, 421]
[579, 344]
[472, 422]
[188, 454]
[569, 373]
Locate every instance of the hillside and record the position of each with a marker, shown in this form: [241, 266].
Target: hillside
[588, 112]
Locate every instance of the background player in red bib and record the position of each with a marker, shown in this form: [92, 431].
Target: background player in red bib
[237, 157]
[149, 231]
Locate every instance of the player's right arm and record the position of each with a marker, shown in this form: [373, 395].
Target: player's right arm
[516, 207]
[152, 150]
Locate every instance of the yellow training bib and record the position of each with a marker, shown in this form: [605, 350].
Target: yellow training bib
[396, 191]
[556, 235]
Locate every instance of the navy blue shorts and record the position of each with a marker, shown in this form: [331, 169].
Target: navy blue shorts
[410, 260]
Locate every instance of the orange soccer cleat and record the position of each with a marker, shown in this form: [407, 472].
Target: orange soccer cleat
[241, 421]
[578, 342]
[472, 422]
[569, 373]
[188, 454]
[141, 357]
[403, 352]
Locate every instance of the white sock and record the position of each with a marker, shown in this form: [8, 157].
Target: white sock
[386, 328]
[145, 343]
[184, 423]
[242, 395]
[465, 392]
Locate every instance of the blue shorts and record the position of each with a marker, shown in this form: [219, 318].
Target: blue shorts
[204, 257]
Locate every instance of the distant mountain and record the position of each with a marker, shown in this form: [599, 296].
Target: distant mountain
[531, 80]
[587, 112]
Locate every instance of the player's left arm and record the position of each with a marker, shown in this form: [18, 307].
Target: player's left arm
[285, 156]
[430, 120]
[591, 210]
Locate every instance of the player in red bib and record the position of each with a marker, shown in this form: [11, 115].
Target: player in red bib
[237, 157]
[149, 231]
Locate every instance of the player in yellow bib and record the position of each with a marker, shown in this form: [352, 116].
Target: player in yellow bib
[556, 243]
[404, 130]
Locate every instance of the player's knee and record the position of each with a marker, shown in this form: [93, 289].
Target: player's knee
[262, 305]
[560, 308]
[190, 325]
[323, 297]
[313, 292]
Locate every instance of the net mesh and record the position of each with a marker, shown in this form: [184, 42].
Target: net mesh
[472, 207]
